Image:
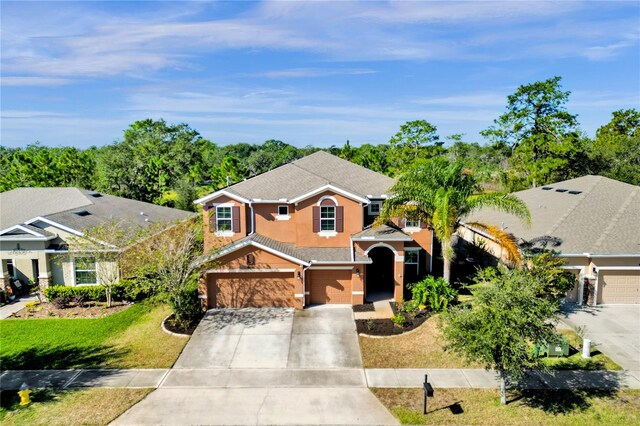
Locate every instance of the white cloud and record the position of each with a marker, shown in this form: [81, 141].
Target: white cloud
[311, 72]
[33, 81]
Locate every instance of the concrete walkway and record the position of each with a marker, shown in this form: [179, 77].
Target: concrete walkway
[483, 379]
[17, 305]
[307, 378]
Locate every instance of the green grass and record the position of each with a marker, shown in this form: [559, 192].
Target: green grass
[128, 339]
[98, 406]
[482, 407]
[598, 360]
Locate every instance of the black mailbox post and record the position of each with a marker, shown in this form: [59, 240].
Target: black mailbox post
[428, 391]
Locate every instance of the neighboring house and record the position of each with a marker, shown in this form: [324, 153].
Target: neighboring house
[37, 224]
[301, 234]
[593, 222]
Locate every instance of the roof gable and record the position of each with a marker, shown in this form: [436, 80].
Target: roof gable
[308, 175]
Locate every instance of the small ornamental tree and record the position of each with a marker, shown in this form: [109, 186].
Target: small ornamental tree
[507, 316]
[103, 247]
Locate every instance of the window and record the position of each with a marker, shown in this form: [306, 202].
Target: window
[251, 259]
[375, 207]
[223, 219]
[411, 258]
[327, 218]
[85, 270]
[411, 223]
[283, 210]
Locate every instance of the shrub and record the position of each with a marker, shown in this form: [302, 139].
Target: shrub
[398, 319]
[90, 293]
[31, 305]
[61, 302]
[80, 300]
[186, 306]
[434, 292]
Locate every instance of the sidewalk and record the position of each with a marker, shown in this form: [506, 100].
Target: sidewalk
[483, 379]
[252, 378]
[15, 306]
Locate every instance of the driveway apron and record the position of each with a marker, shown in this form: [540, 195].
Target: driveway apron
[266, 366]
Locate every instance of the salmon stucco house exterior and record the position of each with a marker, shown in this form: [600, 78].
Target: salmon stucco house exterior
[302, 234]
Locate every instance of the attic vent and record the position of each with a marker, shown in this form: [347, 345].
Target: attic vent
[95, 194]
[575, 192]
[547, 188]
[561, 190]
[82, 213]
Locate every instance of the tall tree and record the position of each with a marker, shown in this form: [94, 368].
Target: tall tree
[506, 316]
[151, 158]
[535, 122]
[441, 194]
[615, 151]
[415, 139]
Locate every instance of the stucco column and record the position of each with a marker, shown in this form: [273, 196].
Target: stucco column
[298, 289]
[4, 275]
[202, 292]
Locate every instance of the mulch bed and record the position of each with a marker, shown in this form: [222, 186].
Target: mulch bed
[172, 327]
[385, 327]
[366, 307]
[89, 310]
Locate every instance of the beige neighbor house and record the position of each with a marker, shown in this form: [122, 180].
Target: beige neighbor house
[593, 222]
[301, 234]
[37, 224]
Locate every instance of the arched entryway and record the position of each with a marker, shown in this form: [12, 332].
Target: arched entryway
[380, 274]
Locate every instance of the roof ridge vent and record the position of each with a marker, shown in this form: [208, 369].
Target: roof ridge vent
[81, 212]
[575, 192]
[547, 188]
[561, 190]
[95, 194]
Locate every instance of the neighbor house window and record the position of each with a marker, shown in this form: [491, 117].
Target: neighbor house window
[411, 223]
[283, 210]
[411, 258]
[85, 270]
[223, 219]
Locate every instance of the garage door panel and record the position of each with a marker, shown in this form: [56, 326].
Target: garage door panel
[331, 286]
[245, 290]
[620, 287]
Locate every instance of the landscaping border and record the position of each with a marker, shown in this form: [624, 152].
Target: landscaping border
[371, 336]
[171, 332]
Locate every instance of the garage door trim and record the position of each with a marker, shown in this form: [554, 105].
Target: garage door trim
[236, 271]
[610, 268]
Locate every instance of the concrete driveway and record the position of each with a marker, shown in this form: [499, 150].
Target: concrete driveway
[266, 366]
[615, 329]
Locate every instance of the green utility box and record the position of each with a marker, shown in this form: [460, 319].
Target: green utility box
[556, 349]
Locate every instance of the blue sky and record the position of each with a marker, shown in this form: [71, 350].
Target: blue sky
[78, 73]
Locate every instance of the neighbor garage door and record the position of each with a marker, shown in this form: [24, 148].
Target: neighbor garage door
[620, 287]
[242, 290]
[330, 286]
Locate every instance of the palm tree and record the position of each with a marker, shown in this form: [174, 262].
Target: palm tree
[441, 194]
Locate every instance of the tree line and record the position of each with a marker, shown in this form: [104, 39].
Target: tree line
[536, 141]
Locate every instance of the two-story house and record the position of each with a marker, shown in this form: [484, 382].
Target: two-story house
[302, 234]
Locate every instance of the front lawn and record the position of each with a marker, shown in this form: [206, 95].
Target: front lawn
[421, 348]
[97, 406]
[482, 407]
[128, 339]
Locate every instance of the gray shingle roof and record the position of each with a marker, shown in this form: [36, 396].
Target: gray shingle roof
[61, 204]
[306, 254]
[309, 173]
[21, 234]
[381, 233]
[603, 218]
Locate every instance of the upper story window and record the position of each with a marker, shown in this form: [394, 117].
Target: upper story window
[224, 222]
[283, 210]
[375, 207]
[411, 258]
[85, 270]
[411, 223]
[327, 218]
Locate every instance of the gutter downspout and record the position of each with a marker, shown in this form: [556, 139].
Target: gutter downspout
[252, 216]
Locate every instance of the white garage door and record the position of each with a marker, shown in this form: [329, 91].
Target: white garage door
[620, 287]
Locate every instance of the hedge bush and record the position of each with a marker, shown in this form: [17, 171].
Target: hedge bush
[90, 293]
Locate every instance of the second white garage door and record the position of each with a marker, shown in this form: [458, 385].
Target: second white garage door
[620, 287]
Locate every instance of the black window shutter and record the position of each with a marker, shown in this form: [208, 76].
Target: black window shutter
[235, 215]
[316, 219]
[339, 219]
